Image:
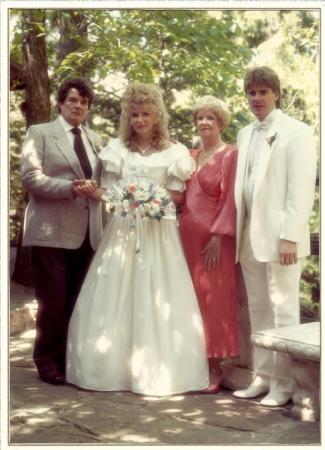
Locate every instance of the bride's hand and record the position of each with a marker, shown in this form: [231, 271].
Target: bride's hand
[177, 197]
[96, 194]
[212, 252]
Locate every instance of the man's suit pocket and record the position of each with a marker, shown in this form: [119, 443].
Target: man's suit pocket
[44, 223]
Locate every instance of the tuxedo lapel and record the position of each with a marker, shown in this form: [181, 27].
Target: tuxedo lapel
[242, 164]
[268, 145]
[66, 149]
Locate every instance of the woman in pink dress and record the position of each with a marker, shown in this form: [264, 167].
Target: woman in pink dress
[207, 228]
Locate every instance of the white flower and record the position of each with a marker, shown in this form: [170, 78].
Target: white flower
[161, 192]
[154, 206]
[125, 204]
[141, 195]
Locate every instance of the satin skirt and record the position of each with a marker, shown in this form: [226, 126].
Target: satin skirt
[136, 325]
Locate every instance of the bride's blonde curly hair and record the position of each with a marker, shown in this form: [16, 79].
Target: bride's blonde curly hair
[144, 94]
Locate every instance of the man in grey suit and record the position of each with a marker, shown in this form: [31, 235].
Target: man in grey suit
[63, 223]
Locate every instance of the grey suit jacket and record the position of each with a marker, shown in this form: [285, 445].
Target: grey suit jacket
[54, 217]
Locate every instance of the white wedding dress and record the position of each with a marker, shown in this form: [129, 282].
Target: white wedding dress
[136, 325]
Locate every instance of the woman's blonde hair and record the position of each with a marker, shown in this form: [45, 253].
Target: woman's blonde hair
[219, 108]
[144, 94]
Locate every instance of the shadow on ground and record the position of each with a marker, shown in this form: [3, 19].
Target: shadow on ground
[42, 413]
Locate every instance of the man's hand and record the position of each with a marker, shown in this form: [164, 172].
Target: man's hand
[83, 188]
[96, 194]
[287, 252]
[212, 252]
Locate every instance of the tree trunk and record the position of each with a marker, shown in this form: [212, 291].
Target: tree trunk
[73, 30]
[17, 76]
[37, 108]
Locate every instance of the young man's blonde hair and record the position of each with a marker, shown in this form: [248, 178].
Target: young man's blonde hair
[144, 94]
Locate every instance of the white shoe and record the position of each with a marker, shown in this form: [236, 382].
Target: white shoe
[276, 398]
[258, 387]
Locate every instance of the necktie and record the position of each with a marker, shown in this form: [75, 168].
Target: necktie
[80, 150]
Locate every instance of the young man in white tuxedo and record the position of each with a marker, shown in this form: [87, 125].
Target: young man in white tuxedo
[63, 223]
[274, 194]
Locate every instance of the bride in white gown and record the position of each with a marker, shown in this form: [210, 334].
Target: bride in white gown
[136, 325]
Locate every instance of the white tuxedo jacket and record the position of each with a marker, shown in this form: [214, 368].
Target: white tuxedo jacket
[283, 190]
[54, 218]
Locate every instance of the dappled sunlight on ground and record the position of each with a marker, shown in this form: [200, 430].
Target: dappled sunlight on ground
[20, 347]
[147, 419]
[174, 398]
[193, 413]
[170, 411]
[126, 418]
[137, 439]
[47, 414]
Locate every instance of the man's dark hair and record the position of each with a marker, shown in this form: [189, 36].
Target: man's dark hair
[80, 85]
[263, 75]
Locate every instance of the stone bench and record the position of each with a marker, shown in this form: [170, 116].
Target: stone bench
[302, 343]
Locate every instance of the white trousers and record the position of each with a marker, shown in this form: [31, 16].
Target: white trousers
[273, 302]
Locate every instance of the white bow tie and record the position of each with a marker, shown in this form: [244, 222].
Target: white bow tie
[259, 126]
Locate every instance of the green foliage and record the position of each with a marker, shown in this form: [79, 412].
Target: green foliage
[310, 288]
[314, 222]
[179, 50]
[16, 50]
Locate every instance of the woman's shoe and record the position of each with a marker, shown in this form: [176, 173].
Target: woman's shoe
[212, 389]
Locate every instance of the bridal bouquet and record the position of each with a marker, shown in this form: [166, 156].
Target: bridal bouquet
[139, 197]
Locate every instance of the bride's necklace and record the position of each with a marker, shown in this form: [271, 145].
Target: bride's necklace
[144, 150]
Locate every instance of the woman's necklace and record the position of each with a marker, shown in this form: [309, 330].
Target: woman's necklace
[143, 150]
[206, 154]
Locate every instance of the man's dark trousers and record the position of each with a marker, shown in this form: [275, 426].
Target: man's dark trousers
[58, 275]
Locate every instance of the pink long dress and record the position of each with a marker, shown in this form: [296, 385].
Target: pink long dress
[210, 209]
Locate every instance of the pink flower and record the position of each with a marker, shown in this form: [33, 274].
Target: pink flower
[134, 205]
[132, 187]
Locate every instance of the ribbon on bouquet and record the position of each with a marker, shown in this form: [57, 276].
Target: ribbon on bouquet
[138, 231]
[137, 225]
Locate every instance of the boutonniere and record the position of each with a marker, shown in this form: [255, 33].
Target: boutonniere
[271, 139]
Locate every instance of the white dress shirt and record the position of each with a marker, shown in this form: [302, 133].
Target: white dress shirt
[259, 134]
[67, 128]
